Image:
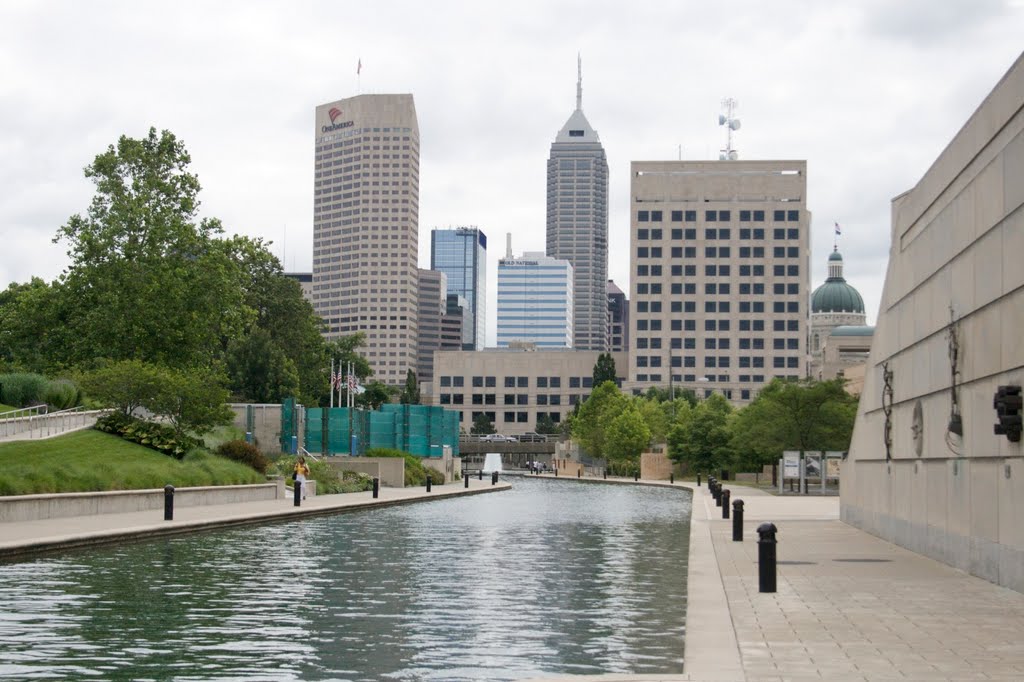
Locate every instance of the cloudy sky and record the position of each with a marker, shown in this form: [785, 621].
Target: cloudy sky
[869, 92]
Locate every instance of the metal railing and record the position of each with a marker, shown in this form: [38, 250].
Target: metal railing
[46, 425]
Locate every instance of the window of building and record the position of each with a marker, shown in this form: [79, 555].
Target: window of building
[643, 216]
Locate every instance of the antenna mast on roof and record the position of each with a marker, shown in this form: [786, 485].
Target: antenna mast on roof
[731, 123]
[579, 82]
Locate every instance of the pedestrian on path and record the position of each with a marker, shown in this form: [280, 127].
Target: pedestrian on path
[300, 473]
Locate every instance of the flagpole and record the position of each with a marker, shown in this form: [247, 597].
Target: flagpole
[331, 382]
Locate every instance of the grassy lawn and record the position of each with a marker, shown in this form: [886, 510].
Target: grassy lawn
[91, 460]
[6, 408]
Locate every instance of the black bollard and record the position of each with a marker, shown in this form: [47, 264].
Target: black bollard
[672, 478]
[606, 474]
[636, 476]
[428, 484]
[481, 472]
[494, 478]
[766, 557]
[725, 503]
[737, 521]
[168, 502]
[298, 493]
[698, 480]
[579, 473]
[376, 487]
[465, 481]
[556, 472]
[718, 494]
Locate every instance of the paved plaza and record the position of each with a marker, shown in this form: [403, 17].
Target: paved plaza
[848, 605]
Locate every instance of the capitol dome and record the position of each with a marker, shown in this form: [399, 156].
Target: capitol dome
[835, 295]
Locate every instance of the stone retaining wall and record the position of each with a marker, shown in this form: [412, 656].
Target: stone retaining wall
[52, 506]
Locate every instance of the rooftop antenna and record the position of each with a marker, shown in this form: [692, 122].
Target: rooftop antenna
[731, 123]
[579, 82]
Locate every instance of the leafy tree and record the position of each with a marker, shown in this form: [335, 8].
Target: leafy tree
[124, 384]
[627, 435]
[260, 371]
[655, 417]
[594, 416]
[411, 393]
[702, 441]
[546, 425]
[31, 326]
[376, 393]
[145, 279]
[191, 400]
[482, 425]
[790, 415]
[604, 369]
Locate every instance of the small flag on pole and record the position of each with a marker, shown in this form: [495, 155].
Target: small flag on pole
[838, 229]
[351, 382]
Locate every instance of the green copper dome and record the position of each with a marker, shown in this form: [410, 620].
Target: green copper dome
[835, 295]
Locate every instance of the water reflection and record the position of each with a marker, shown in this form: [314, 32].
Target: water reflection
[551, 577]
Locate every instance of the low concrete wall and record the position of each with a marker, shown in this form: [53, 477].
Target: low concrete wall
[390, 470]
[655, 466]
[448, 466]
[62, 505]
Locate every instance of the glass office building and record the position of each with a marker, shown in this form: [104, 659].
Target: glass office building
[461, 254]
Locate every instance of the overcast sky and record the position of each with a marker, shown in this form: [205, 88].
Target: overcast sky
[868, 92]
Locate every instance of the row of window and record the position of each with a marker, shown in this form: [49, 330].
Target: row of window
[713, 288]
[745, 271]
[717, 306]
[457, 381]
[712, 343]
[717, 252]
[711, 233]
[724, 216]
[722, 361]
[514, 417]
[520, 399]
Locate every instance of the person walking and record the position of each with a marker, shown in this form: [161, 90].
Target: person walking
[300, 473]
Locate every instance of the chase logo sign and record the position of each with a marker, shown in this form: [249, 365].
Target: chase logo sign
[335, 113]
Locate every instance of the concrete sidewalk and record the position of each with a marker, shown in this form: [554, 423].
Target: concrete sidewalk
[27, 537]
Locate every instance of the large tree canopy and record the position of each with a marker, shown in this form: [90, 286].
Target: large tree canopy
[146, 280]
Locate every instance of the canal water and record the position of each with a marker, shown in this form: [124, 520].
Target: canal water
[550, 577]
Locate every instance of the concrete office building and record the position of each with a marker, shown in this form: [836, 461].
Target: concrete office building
[514, 386]
[926, 468]
[535, 301]
[305, 280]
[720, 275]
[461, 254]
[432, 306]
[618, 318]
[366, 227]
[577, 222]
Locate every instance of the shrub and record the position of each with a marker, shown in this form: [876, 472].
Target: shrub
[156, 436]
[415, 473]
[246, 453]
[20, 389]
[62, 394]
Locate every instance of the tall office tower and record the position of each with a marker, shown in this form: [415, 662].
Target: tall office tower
[720, 254]
[535, 301]
[618, 318]
[577, 221]
[432, 306]
[365, 227]
[462, 255]
[454, 322]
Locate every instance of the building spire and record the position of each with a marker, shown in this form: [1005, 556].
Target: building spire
[579, 82]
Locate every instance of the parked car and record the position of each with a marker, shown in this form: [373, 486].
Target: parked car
[532, 437]
[497, 438]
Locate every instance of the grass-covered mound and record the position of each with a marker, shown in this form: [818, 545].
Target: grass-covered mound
[90, 461]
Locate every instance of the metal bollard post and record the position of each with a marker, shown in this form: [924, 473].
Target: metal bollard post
[168, 502]
[766, 557]
[556, 471]
[636, 476]
[465, 481]
[428, 483]
[737, 521]
[725, 503]
[494, 478]
[718, 494]
[481, 474]
[606, 474]
[298, 493]
[698, 480]
[672, 478]
[376, 487]
[579, 473]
